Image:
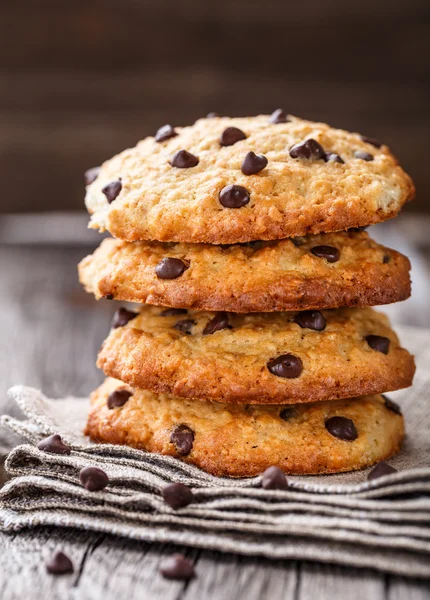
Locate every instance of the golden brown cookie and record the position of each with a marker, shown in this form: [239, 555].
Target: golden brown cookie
[242, 441]
[195, 184]
[259, 276]
[259, 358]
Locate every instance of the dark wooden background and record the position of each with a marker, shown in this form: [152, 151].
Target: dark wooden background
[81, 80]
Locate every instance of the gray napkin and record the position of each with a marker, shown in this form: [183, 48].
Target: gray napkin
[344, 519]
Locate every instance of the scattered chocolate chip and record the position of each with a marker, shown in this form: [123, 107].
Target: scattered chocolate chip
[165, 133]
[182, 437]
[298, 241]
[330, 253]
[220, 321]
[286, 365]
[391, 405]
[177, 567]
[309, 149]
[108, 297]
[363, 155]
[170, 312]
[333, 157]
[278, 116]
[177, 495]
[54, 445]
[122, 316]
[118, 398]
[342, 428]
[386, 259]
[311, 319]
[184, 160]
[212, 115]
[231, 135]
[170, 268]
[378, 343]
[234, 196]
[93, 479]
[287, 413]
[274, 479]
[253, 163]
[371, 141]
[59, 564]
[91, 175]
[380, 470]
[185, 325]
[112, 190]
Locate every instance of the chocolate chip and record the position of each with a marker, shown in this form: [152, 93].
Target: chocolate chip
[309, 149]
[333, 157]
[185, 325]
[378, 343]
[54, 445]
[212, 115]
[184, 160]
[391, 405]
[363, 155]
[122, 316]
[108, 297]
[274, 479]
[59, 564]
[342, 428]
[287, 413]
[380, 470]
[330, 253]
[91, 175]
[231, 135]
[311, 319]
[278, 116]
[220, 321]
[165, 133]
[386, 259]
[170, 268]
[182, 437]
[253, 163]
[177, 495]
[112, 190]
[234, 196]
[118, 398]
[371, 141]
[93, 479]
[170, 312]
[286, 365]
[177, 567]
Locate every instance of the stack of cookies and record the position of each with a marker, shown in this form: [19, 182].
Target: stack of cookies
[243, 241]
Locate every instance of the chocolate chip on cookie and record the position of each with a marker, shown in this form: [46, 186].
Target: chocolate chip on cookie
[386, 259]
[274, 479]
[184, 160]
[286, 365]
[118, 398]
[54, 445]
[278, 116]
[363, 155]
[330, 253]
[219, 322]
[231, 135]
[93, 479]
[234, 196]
[112, 190]
[91, 175]
[177, 567]
[371, 141]
[170, 312]
[177, 495]
[165, 133]
[287, 413]
[122, 316]
[182, 437]
[59, 564]
[333, 157]
[380, 470]
[391, 405]
[309, 149]
[378, 343]
[342, 428]
[311, 319]
[170, 268]
[253, 163]
[185, 325]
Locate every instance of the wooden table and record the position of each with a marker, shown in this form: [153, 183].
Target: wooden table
[51, 332]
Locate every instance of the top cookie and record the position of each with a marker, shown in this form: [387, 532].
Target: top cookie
[204, 184]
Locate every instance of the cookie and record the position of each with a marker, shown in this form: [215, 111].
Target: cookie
[253, 277]
[257, 358]
[242, 441]
[207, 183]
